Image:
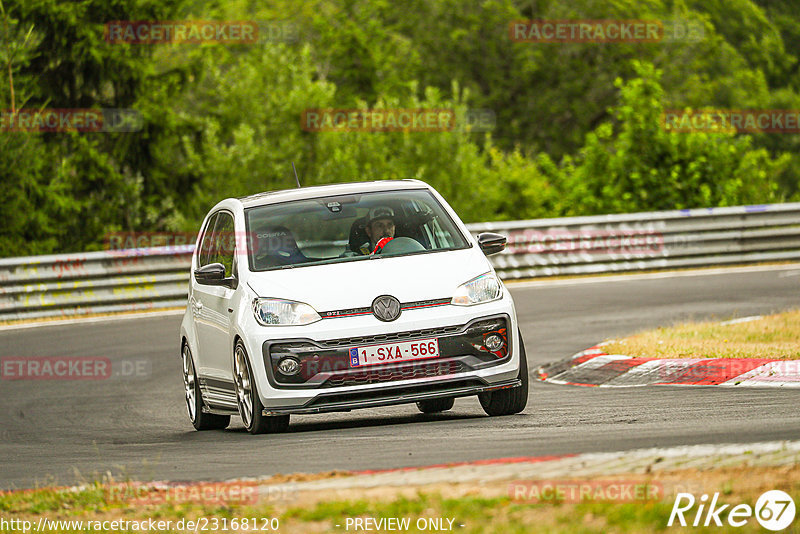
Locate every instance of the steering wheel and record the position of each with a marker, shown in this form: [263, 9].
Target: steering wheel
[400, 245]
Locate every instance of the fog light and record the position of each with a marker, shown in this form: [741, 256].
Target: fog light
[289, 366]
[493, 342]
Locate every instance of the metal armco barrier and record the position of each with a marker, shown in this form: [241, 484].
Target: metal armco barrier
[94, 282]
[642, 241]
[99, 282]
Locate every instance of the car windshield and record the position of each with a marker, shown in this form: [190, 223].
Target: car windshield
[348, 228]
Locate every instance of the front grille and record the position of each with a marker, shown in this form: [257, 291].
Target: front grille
[327, 364]
[388, 375]
[390, 338]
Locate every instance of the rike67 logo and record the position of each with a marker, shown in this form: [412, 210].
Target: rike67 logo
[774, 511]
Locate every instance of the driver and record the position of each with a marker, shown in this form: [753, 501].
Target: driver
[379, 229]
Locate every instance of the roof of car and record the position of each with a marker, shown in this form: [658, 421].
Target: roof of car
[284, 195]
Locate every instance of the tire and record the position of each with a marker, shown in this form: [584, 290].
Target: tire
[250, 407]
[194, 400]
[435, 405]
[513, 400]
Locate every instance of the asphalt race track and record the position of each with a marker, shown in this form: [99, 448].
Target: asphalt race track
[63, 432]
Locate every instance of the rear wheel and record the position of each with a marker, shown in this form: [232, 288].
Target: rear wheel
[435, 405]
[250, 408]
[513, 400]
[194, 401]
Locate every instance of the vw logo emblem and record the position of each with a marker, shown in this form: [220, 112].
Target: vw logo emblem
[386, 308]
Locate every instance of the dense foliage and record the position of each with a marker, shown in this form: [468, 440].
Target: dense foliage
[577, 125]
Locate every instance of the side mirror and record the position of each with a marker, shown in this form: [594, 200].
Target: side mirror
[491, 243]
[213, 274]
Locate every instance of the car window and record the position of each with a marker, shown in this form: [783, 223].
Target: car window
[441, 236]
[206, 244]
[347, 228]
[224, 242]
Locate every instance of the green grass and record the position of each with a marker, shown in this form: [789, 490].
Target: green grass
[773, 337]
[503, 515]
[477, 514]
[41, 501]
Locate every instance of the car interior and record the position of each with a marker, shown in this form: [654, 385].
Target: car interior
[405, 226]
[277, 246]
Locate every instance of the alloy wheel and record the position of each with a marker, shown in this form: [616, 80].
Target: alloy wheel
[189, 383]
[244, 389]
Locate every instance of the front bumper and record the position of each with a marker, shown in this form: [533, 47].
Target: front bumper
[330, 393]
[326, 364]
[393, 395]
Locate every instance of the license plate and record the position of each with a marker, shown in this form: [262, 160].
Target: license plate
[394, 352]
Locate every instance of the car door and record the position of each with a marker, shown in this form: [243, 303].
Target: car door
[201, 258]
[211, 303]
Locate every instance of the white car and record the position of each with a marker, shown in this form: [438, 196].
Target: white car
[332, 298]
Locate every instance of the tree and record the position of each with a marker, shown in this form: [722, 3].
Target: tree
[643, 167]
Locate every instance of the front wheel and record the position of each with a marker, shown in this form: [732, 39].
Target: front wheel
[250, 408]
[513, 400]
[194, 401]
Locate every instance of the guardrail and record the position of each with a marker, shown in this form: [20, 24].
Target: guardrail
[94, 282]
[140, 279]
[644, 241]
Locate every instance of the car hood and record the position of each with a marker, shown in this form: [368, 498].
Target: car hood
[355, 284]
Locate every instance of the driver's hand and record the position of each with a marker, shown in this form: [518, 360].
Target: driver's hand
[382, 243]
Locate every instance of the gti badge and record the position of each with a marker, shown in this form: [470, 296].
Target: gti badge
[386, 308]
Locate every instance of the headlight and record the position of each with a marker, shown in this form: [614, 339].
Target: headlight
[274, 312]
[484, 288]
